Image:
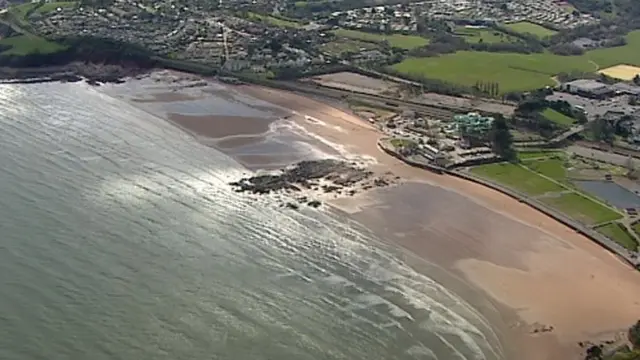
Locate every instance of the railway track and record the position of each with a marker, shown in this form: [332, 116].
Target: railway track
[429, 110]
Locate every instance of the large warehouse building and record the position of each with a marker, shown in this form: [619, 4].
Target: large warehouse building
[588, 88]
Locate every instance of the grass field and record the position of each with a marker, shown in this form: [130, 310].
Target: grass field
[52, 6]
[617, 233]
[342, 46]
[513, 72]
[489, 36]
[582, 209]
[558, 118]
[531, 28]
[516, 177]
[517, 72]
[29, 44]
[550, 167]
[274, 21]
[538, 154]
[397, 40]
[21, 11]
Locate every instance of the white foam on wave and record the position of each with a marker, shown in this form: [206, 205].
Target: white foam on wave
[449, 315]
[292, 126]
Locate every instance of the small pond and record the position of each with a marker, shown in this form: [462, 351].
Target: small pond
[611, 192]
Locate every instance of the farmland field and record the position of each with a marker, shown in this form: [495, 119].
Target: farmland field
[513, 72]
[622, 72]
[517, 72]
[397, 40]
[531, 28]
[489, 36]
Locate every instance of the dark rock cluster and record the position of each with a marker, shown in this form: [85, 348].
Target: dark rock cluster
[339, 177]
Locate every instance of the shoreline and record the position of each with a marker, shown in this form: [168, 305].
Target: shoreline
[606, 243]
[559, 234]
[509, 251]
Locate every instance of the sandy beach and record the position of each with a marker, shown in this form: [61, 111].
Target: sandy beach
[541, 270]
[537, 271]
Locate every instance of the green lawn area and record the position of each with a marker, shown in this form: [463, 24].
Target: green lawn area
[617, 233]
[513, 72]
[553, 168]
[347, 45]
[581, 208]
[52, 6]
[531, 28]
[516, 177]
[540, 153]
[489, 36]
[271, 20]
[628, 54]
[558, 118]
[21, 11]
[29, 44]
[397, 40]
[517, 72]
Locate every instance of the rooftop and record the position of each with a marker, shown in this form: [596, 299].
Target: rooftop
[586, 84]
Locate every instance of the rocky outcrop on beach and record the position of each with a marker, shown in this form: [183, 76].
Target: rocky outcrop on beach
[326, 176]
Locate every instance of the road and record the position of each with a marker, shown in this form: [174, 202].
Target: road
[436, 112]
[599, 155]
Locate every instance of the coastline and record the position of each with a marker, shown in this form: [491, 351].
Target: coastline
[510, 251]
[532, 276]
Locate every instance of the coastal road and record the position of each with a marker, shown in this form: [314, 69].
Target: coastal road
[599, 155]
[436, 112]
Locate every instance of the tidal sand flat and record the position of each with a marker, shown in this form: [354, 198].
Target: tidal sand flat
[508, 251]
[544, 273]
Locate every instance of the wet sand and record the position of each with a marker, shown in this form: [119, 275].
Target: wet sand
[534, 269]
[539, 270]
[217, 127]
[166, 97]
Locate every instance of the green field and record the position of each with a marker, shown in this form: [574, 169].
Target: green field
[531, 28]
[620, 235]
[29, 44]
[558, 118]
[489, 36]
[582, 209]
[513, 72]
[341, 46]
[550, 167]
[52, 6]
[396, 40]
[538, 154]
[21, 11]
[516, 177]
[517, 72]
[271, 20]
